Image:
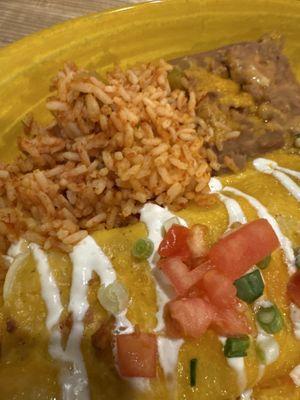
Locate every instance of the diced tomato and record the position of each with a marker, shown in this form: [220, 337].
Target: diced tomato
[230, 322]
[219, 289]
[180, 276]
[235, 253]
[137, 355]
[293, 288]
[197, 240]
[188, 317]
[175, 243]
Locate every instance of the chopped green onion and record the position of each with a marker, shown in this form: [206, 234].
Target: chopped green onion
[250, 286]
[193, 371]
[142, 249]
[171, 221]
[263, 264]
[270, 319]
[236, 347]
[113, 297]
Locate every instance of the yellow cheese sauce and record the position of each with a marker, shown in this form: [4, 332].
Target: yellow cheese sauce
[27, 371]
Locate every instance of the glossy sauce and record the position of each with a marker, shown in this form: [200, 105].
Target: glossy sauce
[87, 257]
[154, 218]
[281, 174]
[234, 211]
[235, 214]
[262, 212]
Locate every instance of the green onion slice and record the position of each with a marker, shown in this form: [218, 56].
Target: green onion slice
[236, 347]
[250, 286]
[113, 297]
[193, 371]
[142, 249]
[263, 264]
[270, 319]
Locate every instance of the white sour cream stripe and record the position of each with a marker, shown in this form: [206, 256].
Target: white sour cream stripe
[234, 210]
[235, 214]
[289, 257]
[246, 395]
[290, 172]
[264, 339]
[262, 212]
[271, 167]
[260, 163]
[50, 291]
[238, 365]
[74, 383]
[154, 217]
[285, 243]
[16, 255]
[295, 375]
[295, 317]
[87, 257]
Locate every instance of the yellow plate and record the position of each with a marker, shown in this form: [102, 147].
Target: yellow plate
[132, 34]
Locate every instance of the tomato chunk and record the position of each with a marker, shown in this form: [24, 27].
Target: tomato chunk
[219, 289]
[293, 288]
[175, 243]
[239, 250]
[180, 276]
[230, 322]
[188, 317]
[137, 355]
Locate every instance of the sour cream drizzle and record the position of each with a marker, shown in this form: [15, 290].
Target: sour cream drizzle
[265, 340]
[87, 257]
[281, 174]
[154, 217]
[236, 214]
[234, 210]
[295, 317]
[284, 241]
[74, 381]
[295, 375]
[262, 212]
[50, 292]
[246, 395]
[271, 167]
